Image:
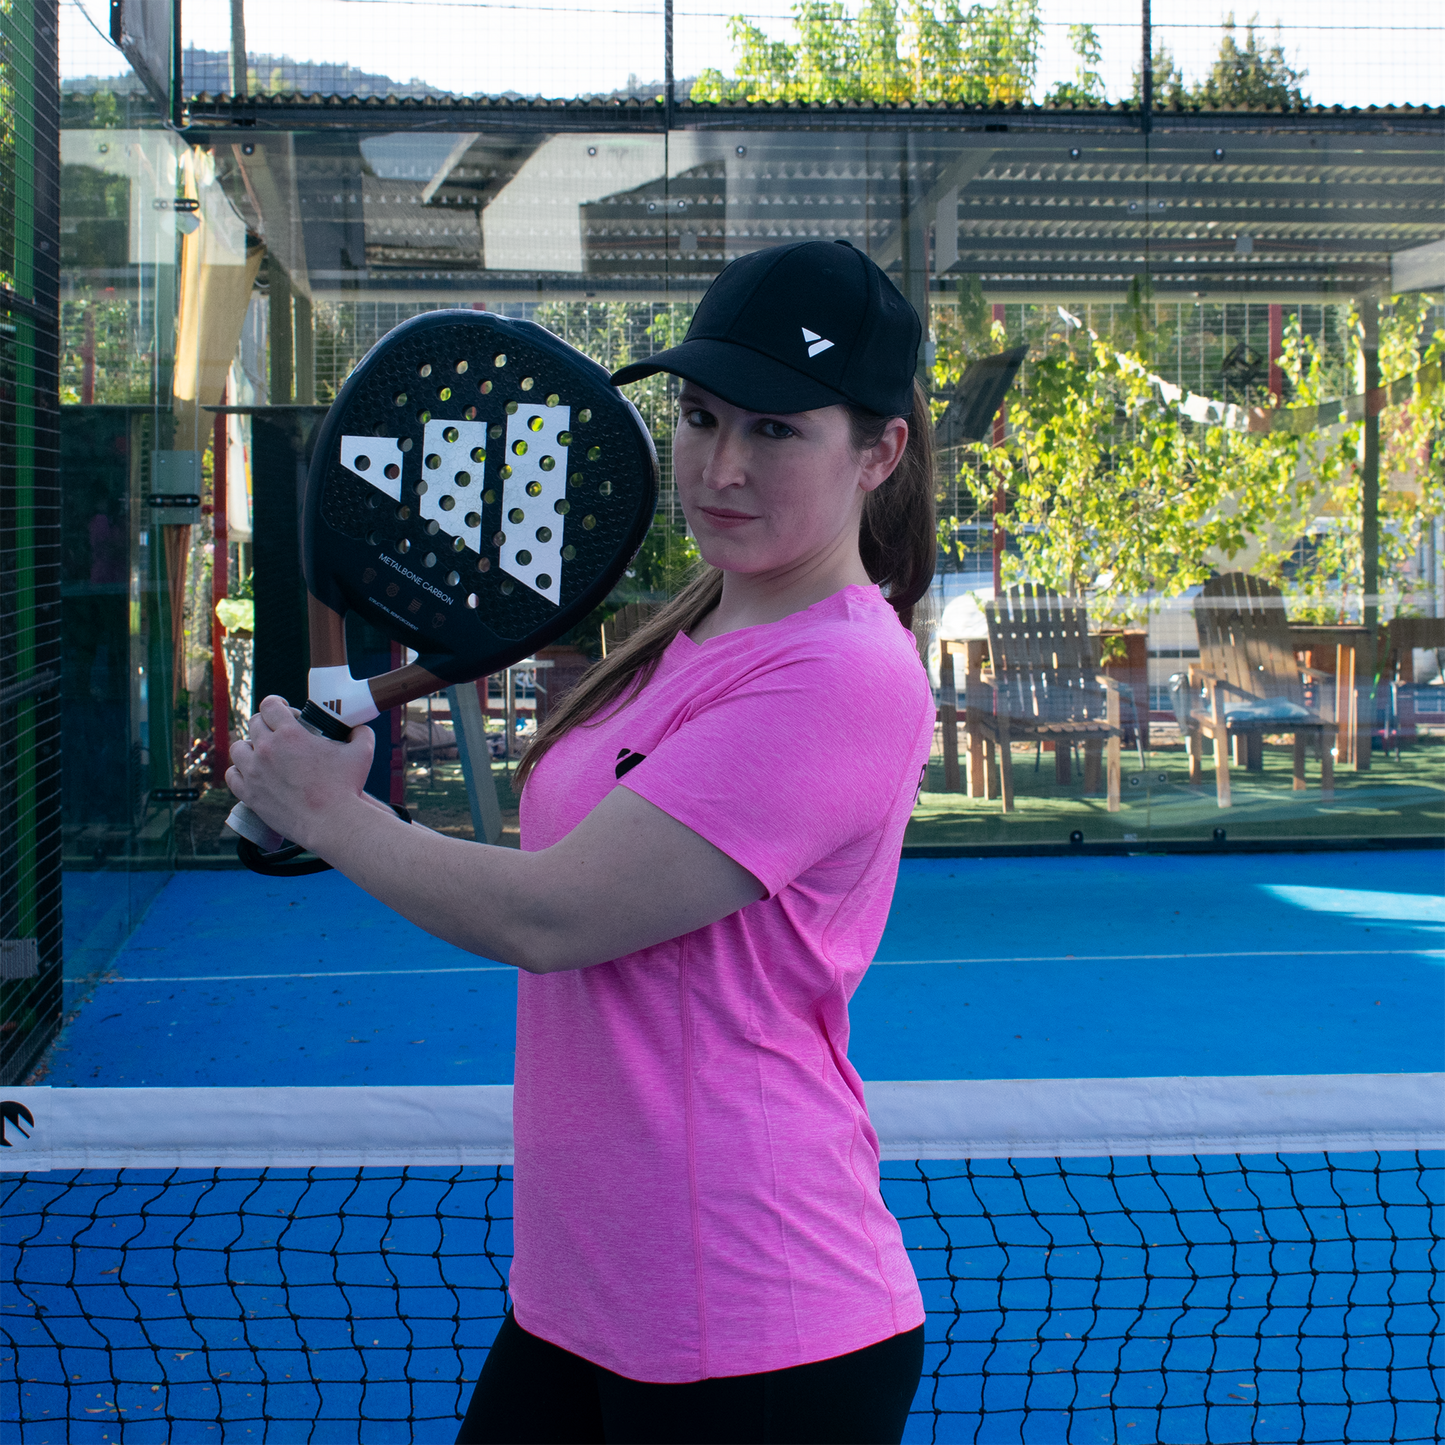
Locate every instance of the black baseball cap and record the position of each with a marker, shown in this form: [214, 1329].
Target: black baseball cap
[798, 327]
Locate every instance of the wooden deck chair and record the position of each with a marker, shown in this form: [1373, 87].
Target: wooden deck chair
[625, 621]
[1247, 683]
[1046, 689]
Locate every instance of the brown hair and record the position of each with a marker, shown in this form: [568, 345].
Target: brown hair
[897, 540]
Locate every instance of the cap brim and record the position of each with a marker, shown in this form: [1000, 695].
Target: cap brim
[738, 375]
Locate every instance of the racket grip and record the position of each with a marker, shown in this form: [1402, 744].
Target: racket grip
[246, 824]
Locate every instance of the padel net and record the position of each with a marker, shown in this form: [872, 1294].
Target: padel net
[1183, 1259]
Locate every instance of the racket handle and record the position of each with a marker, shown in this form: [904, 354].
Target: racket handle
[249, 825]
[246, 824]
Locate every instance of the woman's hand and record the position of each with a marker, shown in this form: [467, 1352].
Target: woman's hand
[292, 777]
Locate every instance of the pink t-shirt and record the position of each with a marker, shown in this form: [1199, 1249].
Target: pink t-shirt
[697, 1179]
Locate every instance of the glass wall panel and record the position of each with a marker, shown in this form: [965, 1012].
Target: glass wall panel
[1221, 296]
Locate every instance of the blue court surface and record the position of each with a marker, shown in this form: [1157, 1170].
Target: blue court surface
[989, 968]
[1221, 1298]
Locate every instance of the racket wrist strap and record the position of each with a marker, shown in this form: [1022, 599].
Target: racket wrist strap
[346, 698]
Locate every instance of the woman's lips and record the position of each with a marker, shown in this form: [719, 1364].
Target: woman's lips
[721, 517]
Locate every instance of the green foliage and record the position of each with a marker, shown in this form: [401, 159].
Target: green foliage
[1242, 77]
[613, 333]
[934, 51]
[1169, 87]
[1113, 496]
[124, 358]
[1328, 586]
[1250, 76]
[1087, 86]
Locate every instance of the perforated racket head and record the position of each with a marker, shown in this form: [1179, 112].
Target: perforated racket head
[477, 487]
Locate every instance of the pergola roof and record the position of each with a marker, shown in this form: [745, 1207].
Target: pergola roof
[1050, 202]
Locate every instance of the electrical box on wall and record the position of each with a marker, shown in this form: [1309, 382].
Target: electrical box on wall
[175, 494]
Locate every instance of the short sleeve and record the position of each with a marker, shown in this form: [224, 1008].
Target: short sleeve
[794, 762]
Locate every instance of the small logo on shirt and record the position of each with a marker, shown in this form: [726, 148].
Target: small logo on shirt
[816, 343]
[627, 760]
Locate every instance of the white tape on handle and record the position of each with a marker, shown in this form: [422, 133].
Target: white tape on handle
[246, 824]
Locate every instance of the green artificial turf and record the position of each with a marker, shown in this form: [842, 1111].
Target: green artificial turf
[1393, 799]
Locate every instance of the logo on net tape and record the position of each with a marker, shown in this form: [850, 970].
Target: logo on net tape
[15, 1114]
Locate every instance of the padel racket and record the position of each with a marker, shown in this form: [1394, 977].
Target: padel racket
[477, 487]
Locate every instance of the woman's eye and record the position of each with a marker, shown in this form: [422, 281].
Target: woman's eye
[696, 416]
[776, 429]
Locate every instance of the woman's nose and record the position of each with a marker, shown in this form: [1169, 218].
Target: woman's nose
[726, 465]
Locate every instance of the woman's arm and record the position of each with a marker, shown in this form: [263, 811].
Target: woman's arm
[626, 877]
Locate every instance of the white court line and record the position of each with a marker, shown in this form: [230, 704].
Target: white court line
[1136, 957]
[878, 962]
[344, 973]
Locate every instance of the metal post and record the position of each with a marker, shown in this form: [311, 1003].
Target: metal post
[669, 87]
[1146, 71]
[305, 350]
[220, 546]
[470, 726]
[238, 77]
[1370, 467]
[280, 335]
[177, 73]
[1000, 497]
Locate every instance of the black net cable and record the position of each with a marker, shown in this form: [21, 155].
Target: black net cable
[1219, 1298]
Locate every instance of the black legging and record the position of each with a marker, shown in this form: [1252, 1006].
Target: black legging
[535, 1393]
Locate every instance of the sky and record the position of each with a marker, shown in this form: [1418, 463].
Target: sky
[571, 47]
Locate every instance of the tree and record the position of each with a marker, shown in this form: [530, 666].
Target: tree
[1240, 78]
[1087, 86]
[1252, 76]
[1328, 583]
[1112, 498]
[1169, 87]
[987, 54]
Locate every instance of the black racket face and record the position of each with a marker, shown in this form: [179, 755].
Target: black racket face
[477, 487]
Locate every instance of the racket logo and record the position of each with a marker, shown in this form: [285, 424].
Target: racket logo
[453, 462]
[533, 497]
[14, 1112]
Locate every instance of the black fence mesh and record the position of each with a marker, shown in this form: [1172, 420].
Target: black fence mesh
[30, 661]
[1269, 1298]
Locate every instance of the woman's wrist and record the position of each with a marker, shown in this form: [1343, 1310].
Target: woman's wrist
[335, 833]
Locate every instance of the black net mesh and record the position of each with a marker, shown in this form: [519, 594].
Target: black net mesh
[30, 661]
[1269, 1298]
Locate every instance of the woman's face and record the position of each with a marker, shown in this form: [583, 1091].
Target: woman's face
[768, 492]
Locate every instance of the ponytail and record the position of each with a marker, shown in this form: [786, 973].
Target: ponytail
[897, 540]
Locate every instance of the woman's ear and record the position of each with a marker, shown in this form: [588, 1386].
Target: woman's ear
[880, 462]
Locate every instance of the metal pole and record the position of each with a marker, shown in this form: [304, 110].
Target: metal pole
[239, 81]
[177, 73]
[220, 546]
[1146, 71]
[669, 95]
[1000, 497]
[1370, 467]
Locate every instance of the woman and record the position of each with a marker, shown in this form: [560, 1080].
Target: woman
[711, 825]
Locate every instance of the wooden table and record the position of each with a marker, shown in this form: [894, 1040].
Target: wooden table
[1354, 657]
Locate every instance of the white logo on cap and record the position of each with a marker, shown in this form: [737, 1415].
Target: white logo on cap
[815, 342]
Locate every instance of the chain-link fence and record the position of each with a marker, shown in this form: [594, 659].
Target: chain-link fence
[30, 656]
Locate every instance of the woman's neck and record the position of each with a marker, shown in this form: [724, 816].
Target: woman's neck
[753, 599]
